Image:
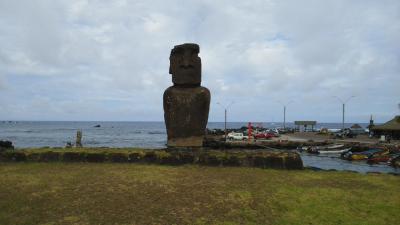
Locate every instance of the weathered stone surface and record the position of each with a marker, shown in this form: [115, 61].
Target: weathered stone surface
[186, 115]
[185, 65]
[186, 104]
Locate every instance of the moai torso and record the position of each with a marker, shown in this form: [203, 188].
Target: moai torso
[186, 104]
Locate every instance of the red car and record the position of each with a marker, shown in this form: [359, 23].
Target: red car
[263, 136]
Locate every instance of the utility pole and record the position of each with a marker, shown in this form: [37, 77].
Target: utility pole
[284, 117]
[284, 112]
[225, 110]
[225, 125]
[343, 107]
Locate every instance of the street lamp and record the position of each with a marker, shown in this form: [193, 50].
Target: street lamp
[225, 109]
[343, 106]
[284, 112]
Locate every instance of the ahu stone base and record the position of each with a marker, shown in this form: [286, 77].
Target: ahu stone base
[244, 158]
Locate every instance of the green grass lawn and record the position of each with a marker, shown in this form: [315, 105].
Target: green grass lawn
[107, 193]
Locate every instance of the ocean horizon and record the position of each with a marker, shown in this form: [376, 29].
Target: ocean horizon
[144, 134]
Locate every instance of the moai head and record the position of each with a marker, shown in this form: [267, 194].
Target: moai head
[185, 65]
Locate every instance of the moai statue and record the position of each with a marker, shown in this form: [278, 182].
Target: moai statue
[78, 142]
[186, 103]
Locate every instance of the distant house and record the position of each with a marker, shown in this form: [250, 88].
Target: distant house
[392, 128]
[357, 129]
[305, 124]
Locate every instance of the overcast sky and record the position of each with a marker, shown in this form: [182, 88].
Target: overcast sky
[108, 60]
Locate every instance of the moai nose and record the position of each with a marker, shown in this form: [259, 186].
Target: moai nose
[186, 62]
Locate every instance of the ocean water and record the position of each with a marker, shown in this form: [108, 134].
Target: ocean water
[147, 135]
[109, 134]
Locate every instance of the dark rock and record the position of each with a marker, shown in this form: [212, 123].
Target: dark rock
[186, 104]
[33, 157]
[49, 156]
[98, 125]
[209, 160]
[6, 145]
[170, 159]
[74, 157]
[186, 158]
[13, 156]
[135, 157]
[231, 161]
[259, 161]
[150, 157]
[118, 157]
[95, 157]
[293, 162]
[274, 162]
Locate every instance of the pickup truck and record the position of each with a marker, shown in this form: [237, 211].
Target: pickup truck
[237, 136]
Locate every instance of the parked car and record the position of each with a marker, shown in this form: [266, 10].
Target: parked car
[237, 136]
[263, 136]
[345, 133]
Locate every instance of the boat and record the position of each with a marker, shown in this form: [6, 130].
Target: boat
[378, 159]
[341, 151]
[384, 157]
[334, 146]
[335, 149]
[360, 155]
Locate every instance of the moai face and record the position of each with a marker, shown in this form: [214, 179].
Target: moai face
[185, 65]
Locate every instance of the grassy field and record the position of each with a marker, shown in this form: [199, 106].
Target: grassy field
[107, 193]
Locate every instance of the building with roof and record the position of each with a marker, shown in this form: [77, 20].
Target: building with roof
[391, 127]
[357, 129]
[307, 125]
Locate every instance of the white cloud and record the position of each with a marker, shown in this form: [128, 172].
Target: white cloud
[96, 54]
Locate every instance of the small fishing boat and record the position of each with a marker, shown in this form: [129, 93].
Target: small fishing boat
[334, 146]
[382, 157]
[378, 159]
[360, 155]
[341, 151]
[333, 149]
